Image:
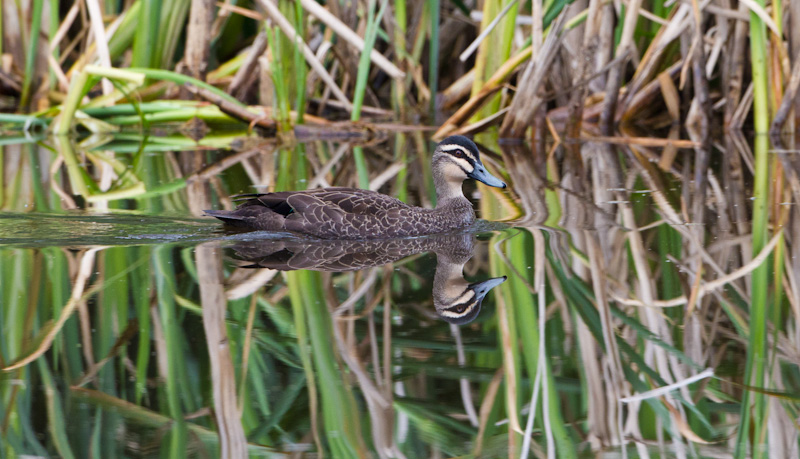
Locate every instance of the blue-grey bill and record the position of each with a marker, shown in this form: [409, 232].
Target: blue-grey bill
[483, 287]
[481, 174]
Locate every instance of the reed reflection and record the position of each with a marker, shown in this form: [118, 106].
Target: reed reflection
[455, 299]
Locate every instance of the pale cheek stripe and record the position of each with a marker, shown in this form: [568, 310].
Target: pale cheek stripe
[464, 164]
[453, 170]
[465, 297]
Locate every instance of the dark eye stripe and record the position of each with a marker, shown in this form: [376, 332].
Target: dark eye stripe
[460, 308]
[459, 153]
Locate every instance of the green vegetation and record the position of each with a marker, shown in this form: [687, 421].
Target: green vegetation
[668, 247]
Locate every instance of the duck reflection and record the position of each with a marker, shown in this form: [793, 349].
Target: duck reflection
[455, 299]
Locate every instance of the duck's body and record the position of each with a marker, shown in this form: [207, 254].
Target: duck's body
[351, 213]
[345, 213]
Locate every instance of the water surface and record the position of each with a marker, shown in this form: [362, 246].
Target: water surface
[132, 326]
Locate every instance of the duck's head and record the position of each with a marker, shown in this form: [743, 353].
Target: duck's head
[460, 302]
[457, 159]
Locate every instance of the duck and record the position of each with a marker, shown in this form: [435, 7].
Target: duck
[352, 213]
[455, 299]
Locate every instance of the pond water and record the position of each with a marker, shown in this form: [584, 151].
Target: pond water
[133, 326]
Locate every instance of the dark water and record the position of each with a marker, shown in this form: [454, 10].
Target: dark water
[135, 327]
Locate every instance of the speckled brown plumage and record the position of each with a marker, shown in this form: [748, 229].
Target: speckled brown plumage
[351, 213]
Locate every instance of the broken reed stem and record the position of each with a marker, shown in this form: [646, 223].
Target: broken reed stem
[788, 97]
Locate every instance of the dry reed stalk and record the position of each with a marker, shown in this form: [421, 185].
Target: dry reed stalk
[482, 125]
[526, 171]
[487, 404]
[229, 161]
[671, 97]
[254, 119]
[733, 70]
[643, 141]
[198, 38]
[651, 61]
[319, 179]
[698, 118]
[793, 31]
[745, 269]
[457, 91]
[251, 284]
[742, 110]
[504, 312]
[527, 100]
[55, 42]
[197, 196]
[100, 41]
[379, 403]
[608, 116]
[233, 443]
[614, 380]
[78, 296]
[365, 109]
[697, 124]
[492, 86]
[788, 98]
[585, 49]
[652, 181]
[644, 98]
[485, 31]
[247, 75]
[228, 8]
[464, 383]
[347, 34]
[669, 367]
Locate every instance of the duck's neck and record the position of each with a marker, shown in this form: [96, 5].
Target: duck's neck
[448, 281]
[448, 191]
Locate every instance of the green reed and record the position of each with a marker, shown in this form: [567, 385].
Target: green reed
[31, 51]
[433, 7]
[401, 29]
[753, 409]
[373, 21]
[173, 390]
[280, 77]
[300, 70]
[147, 33]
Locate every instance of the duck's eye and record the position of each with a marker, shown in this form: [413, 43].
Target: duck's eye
[458, 154]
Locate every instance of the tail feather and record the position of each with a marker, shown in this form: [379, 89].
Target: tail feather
[252, 217]
[228, 217]
[226, 214]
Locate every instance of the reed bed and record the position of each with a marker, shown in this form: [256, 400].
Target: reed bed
[673, 251]
[580, 67]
